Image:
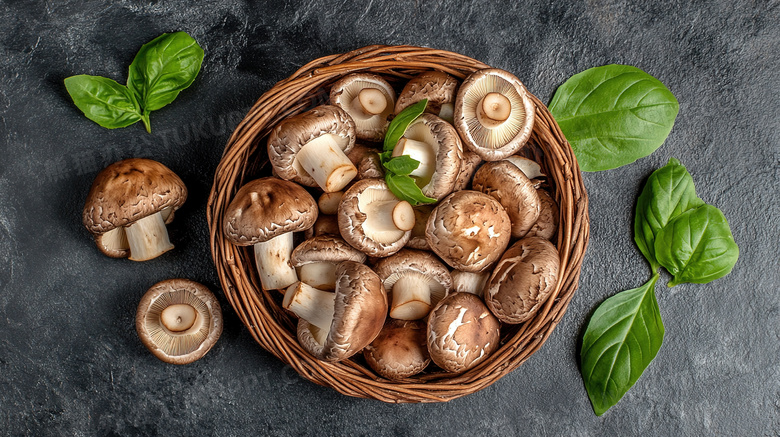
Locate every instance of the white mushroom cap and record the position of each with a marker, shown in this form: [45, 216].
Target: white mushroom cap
[469, 230]
[369, 100]
[437, 87]
[436, 144]
[400, 350]
[513, 190]
[369, 215]
[522, 280]
[416, 280]
[493, 138]
[462, 332]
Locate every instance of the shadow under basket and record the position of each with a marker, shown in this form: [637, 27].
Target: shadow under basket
[245, 159]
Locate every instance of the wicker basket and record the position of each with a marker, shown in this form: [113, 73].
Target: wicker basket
[244, 159]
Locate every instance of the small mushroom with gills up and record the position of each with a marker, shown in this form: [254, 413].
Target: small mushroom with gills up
[333, 326]
[493, 114]
[462, 332]
[437, 87]
[317, 258]
[264, 213]
[373, 220]
[400, 350]
[513, 190]
[369, 100]
[179, 320]
[128, 206]
[523, 280]
[310, 148]
[416, 280]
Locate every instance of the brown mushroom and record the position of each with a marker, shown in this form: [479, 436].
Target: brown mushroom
[335, 326]
[461, 332]
[493, 114]
[469, 230]
[417, 239]
[373, 220]
[547, 224]
[264, 213]
[400, 350]
[513, 190]
[325, 224]
[368, 99]
[317, 258]
[468, 166]
[416, 280]
[523, 280]
[437, 87]
[366, 159]
[436, 145]
[128, 205]
[179, 320]
[310, 148]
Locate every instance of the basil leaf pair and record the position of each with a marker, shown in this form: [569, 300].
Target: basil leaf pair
[160, 71]
[397, 169]
[613, 115]
[675, 229]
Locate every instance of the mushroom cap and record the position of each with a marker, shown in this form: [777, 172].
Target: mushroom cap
[400, 350]
[522, 280]
[513, 190]
[325, 248]
[360, 310]
[448, 150]
[436, 86]
[268, 207]
[352, 218]
[179, 347]
[549, 216]
[461, 332]
[129, 190]
[366, 160]
[497, 143]
[468, 166]
[416, 262]
[292, 133]
[469, 230]
[346, 89]
[417, 239]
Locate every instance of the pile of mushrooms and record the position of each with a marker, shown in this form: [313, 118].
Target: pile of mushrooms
[365, 271]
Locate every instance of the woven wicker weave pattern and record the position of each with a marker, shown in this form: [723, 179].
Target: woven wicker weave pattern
[244, 160]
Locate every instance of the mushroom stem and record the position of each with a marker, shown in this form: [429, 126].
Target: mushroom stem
[467, 282]
[320, 275]
[148, 238]
[178, 317]
[419, 151]
[369, 102]
[447, 112]
[323, 160]
[391, 215]
[273, 262]
[313, 305]
[329, 202]
[411, 298]
[493, 110]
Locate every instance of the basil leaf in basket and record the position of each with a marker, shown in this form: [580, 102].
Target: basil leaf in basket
[406, 189]
[669, 192]
[697, 246]
[401, 165]
[622, 338]
[613, 115]
[401, 121]
[103, 100]
[162, 69]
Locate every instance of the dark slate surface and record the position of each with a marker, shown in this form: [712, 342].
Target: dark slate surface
[70, 360]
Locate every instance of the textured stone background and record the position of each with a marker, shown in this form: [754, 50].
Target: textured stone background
[70, 360]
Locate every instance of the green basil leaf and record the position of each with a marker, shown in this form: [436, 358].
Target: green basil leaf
[669, 192]
[401, 121]
[697, 246]
[401, 165]
[164, 67]
[613, 115]
[622, 338]
[103, 100]
[406, 189]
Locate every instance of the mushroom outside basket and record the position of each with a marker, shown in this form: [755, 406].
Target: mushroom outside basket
[245, 159]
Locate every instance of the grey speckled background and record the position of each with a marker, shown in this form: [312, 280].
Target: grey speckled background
[71, 363]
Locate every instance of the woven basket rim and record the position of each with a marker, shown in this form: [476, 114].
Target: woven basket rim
[242, 161]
